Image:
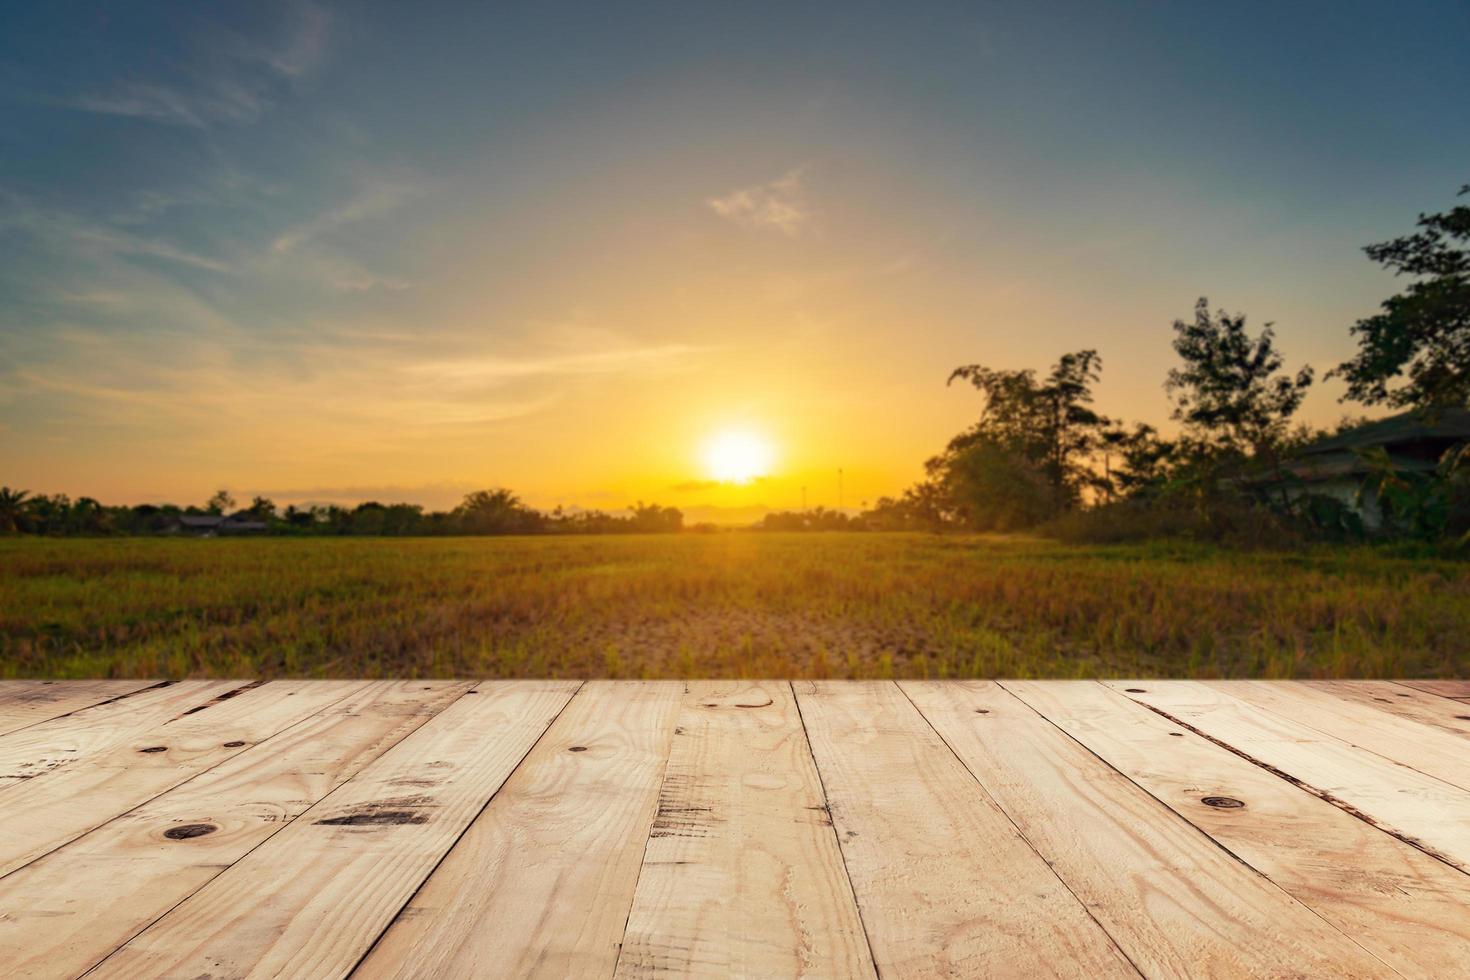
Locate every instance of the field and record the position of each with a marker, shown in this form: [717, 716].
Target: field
[721, 605]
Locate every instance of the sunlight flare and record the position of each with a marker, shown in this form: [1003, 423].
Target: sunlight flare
[738, 456]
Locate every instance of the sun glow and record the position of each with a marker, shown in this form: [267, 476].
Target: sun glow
[737, 457]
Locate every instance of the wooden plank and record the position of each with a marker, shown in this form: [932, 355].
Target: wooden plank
[1408, 743]
[1174, 902]
[945, 883]
[1400, 800]
[1427, 709]
[311, 900]
[540, 885]
[68, 910]
[71, 742]
[43, 814]
[1400, 904]
[742, 876]
[1446, 689]
[26, 703]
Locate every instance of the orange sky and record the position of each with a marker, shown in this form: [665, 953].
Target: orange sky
[285, 252]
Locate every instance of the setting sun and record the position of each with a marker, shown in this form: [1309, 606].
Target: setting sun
[737, 457]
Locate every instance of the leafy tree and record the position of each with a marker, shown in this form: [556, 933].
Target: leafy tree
[220, 502]
[1048, 424]
[262, 509]
[1230, 392]
[1424, 331]
[653, 518]
[497, 511]
[990, 488]
[87, 516]
[12, 510]
[920, 508]
[1135, 461]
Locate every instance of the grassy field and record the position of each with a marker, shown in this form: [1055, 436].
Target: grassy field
[736, 604]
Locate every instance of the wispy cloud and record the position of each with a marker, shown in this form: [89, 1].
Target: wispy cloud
[698, 486]
[490, 370]
[373, 198]
[68, 233]
[218, 100]
[779, 204]
[233, 80]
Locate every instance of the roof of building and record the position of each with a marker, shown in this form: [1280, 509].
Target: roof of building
[1422, 425]
[1345, 463]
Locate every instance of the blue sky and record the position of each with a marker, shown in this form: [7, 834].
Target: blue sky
[405, 249]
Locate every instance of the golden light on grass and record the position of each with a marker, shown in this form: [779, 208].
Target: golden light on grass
[738, 456]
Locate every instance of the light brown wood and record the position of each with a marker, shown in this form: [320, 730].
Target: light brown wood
[26, 703]
[1397, 798]
[946, 885]
[1184, 908]
[541, 884]
[1400, 904]
[71, 742]
[323, 829]
[742, 876]
[1408, 743]
[1445, 689]
[70, 909]
[1427, 709]
[312, 899]
[45, 813]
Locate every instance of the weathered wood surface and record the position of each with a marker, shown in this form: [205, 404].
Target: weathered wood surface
[740, 828]
[25, 703]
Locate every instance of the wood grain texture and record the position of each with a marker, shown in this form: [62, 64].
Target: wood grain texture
[946, 885]
[1185, 907]
[1427, 709]
[1398, 799]
[25, 703]
[541, 884]
[742, 876]
[1402, 905]
[71, 742]
[1409, 743]
[1446, 689]
[70, 909]
[311, 900]
[44, 813]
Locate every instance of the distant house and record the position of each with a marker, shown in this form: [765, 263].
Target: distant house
[209, 525]
[1414, 441]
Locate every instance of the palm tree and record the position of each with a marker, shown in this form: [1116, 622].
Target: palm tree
[11, 503]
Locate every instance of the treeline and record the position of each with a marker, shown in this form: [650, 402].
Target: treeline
[482, 512]
[1041, 456]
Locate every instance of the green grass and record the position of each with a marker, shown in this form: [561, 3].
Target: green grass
[721, 605]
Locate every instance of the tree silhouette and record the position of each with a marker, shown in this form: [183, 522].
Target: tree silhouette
[1424, 331]
[1229, 391]
[1048, 423]
[12, 510]
[220, 502]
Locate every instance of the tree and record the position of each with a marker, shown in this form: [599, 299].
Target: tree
[220, 502]
[992, 489]
[261, 508]
[652, 518]
[1135, 461]
[1424, 331]
[497, 511]
[1049, 424]
[1230, 392]
[12, 510]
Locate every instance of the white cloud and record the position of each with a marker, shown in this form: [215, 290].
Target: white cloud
[372, 199]
[491, 370]
[237, 86]
[779, 204]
